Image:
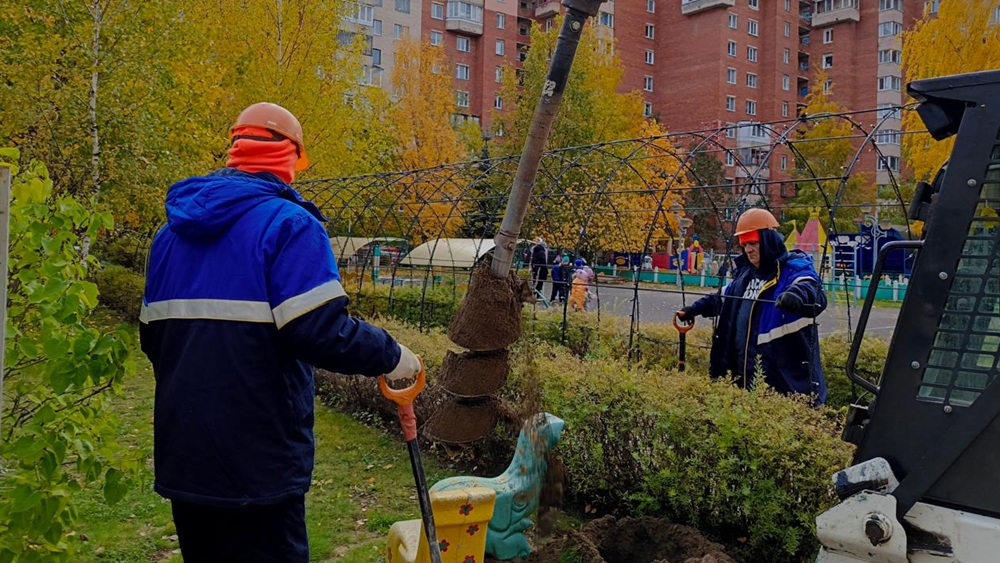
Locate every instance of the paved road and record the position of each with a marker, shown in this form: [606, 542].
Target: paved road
[659, 306]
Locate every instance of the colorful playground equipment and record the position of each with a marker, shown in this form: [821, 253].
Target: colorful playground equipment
[515, 495]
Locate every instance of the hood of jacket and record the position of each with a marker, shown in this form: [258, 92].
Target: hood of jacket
[202, 207]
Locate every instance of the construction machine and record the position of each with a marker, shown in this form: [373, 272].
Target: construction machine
[925, 481]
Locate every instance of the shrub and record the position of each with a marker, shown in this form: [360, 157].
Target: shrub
[750, 468]
[120, 290]
[433, 307]
[57, 436]
[127, 249]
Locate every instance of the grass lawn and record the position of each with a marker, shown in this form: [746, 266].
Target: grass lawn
[362, 483]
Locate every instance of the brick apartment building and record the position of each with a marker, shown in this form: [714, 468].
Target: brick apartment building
[699, 63]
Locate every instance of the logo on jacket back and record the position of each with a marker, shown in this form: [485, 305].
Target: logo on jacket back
[753, 288]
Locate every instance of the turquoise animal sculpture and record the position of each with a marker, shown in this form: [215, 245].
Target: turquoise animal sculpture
[517, 488]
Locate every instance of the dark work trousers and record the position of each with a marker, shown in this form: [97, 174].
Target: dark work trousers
[539, 273]
[254, 534]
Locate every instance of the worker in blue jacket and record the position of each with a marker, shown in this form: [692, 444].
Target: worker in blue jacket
[242, 299]
[766, 315]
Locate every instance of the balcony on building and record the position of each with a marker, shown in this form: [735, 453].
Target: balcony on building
[464, 17]
[547, 8]
[752, 134]
[693, 6]
[829, 12]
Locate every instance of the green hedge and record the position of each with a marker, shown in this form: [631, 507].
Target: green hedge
[120, 289]
[750, 469]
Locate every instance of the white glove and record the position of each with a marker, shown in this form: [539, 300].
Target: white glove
[408, 366]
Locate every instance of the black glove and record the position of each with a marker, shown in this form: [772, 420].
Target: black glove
[789, 302]
[686, 315]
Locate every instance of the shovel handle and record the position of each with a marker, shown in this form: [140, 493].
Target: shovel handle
[404, 401]
[683, 326]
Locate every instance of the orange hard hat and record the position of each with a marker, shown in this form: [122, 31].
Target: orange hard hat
[754, 220]
[278, 120]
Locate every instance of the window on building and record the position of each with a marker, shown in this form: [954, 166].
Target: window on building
[788, 5]
[465, 11]
[753, 28]
[650, 56]
[785, 56]
[498, 74]
[888, 29]
[497, 101]
[731, 75]
[462, 72]
[885, 5]
[731, 130]
[377, 28]
[827, 36]
[647, 109]
[650, 31]
[752, 54]
[888, 163]
[731, 49]
[607, 20]
[548, 24]
[500, 48]
[751, 80]
[462, 99]
[463, 44]
[788, 29]
[730, 103]
[403, 6]
[437, 11]
[400, 31]
[887, 137]
[827, 86]
[651, 6]
[751, 107]
[730, 159]
[377, 57]
[784, 109]
[888, 110]
[733, 21]
[786, 82]
[886, 83]
[827, 60]
[364, 15]
[823, 6]
[893, 56]
[753, 4]
[647, 83]
[501, 21]
[932, 6]
[437, 38]
[784, 162]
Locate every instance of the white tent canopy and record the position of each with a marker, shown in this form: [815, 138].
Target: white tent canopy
[345, 247]
[449, 253]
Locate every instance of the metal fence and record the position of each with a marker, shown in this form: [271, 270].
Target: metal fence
[637, 211]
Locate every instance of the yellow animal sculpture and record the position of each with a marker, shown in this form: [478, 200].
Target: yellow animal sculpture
[461, 518]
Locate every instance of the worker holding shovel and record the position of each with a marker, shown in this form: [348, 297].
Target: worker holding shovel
[242, 299]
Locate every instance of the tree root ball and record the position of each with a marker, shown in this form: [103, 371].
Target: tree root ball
[631, 540]
[462, 423]
[489, 317]
[474, 374]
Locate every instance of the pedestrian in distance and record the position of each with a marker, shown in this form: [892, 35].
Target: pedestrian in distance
[539, 261]
[767, 314]
[558, 283]
[243, 298]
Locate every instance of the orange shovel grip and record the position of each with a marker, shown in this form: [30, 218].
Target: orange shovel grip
[681, 326]
[407, 395]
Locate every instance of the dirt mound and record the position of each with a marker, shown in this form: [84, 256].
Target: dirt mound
[489, 317]
[631, 540]
[474, 374]
[456, 422]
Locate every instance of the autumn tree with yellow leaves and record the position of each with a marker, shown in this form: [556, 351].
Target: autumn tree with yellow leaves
[608, 199]
[963, 36]
[823, 150]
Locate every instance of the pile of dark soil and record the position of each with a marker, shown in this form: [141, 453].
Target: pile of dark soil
[489, 317]
[630, 540]
[474, 374]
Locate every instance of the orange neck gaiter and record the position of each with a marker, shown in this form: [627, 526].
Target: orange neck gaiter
[252, 155]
